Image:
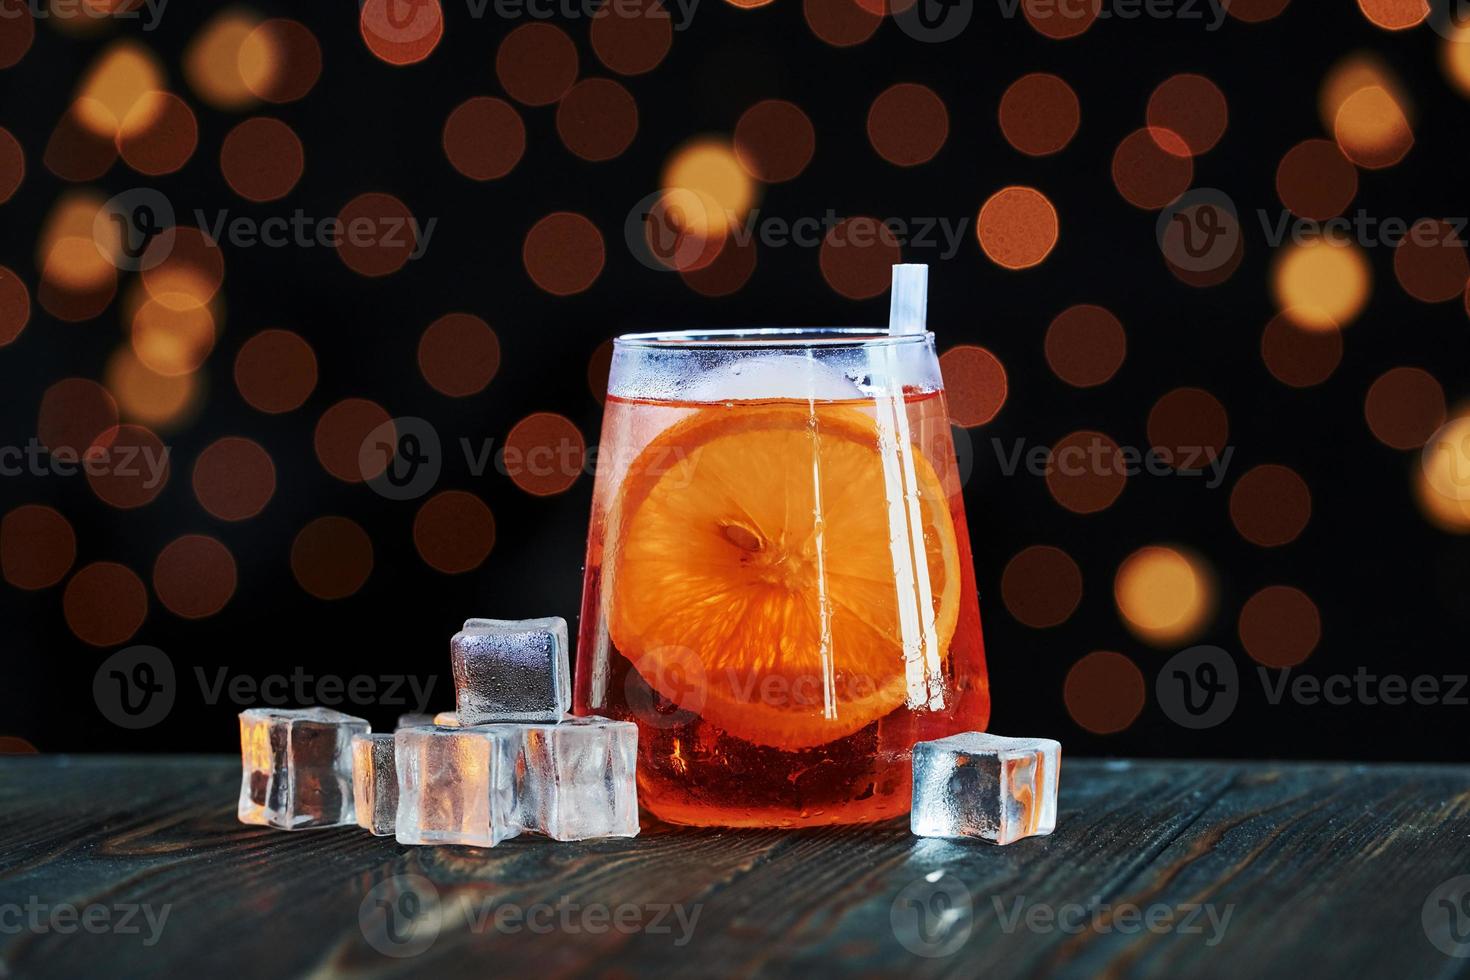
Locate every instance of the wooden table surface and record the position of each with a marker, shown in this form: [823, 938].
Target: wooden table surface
[1156, 869]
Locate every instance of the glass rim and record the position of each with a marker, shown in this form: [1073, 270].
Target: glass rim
[770, 338]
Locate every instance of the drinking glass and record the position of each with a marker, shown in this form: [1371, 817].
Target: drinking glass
[779, 589]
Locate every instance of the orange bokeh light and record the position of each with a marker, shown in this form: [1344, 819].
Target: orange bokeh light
[484, 138]
[1104, 692]
[1017, 227]
[105, 604]
[1191, 107]
[563, 253]
[975, 385]
[774, 141]
[536, 64]
[908, 124]
[459, 355]
[1041, 586]
[234, 478]
[332, 558]
[1270, 505]
[597, 119]
[1085, 345]
[544, 454]
[275, 371]
[454, 532]
[1321, 283]
[37, 547]
[1164, 595]
[1039, 114]
[262, 159]
[397, 40]
[194, 576]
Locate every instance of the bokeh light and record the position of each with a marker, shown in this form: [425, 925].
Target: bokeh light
[1085, 345]
[15, 306]
[1430, 261]
[395, 39]
[12, 165]
[74, 414]
[284, 60]
[170, 338]
[1191, 107]
[709, 169]
[1189, 427]
[1455, 57]
[1152, 167]
[1321, 283]
[262, 159]
[730, 269]
[597, 119]
[1315, 180]
[130, 467]
[908, 124]
[454, 532]
[234, 478]
[459, 355]
[1394, 15]
[599, 369]
[633, 36]
[74, 152]
[275, 371]
[1164, 595]
[1060, 21]
[77, 281]
[564, 253]
[774, 141]
[1443, 482]
[1404, 407]
[536, 63]
[340, 436]
[122, 77]
[332, 558]
[1039, 114]
[975, 385]
[1041, 586]
[484, 138]
[380, 235]
[1300, 356]
[105, 604]
[223, 65]
[1086, 472]
[194, 576]
[1270, 505]
[143, 395]
[544, 454]
[1104, 692]
[1372, 128]
[1017, 227]
[158, 135]
[1255, 11]
[857, 257]
[184, 266]
[17, 31]
[1279, 626]
[840, 23]
[37, 547]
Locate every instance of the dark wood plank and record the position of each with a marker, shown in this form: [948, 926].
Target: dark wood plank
[1323, 870]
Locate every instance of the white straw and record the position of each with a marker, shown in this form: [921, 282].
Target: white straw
[908, 308]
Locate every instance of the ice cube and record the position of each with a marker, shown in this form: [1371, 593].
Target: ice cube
[297, 767]
[987, 786]
[413, 721]
[579, 778]
[374, 783]
[444, 719]
[778, 376]
[457, 785]
[511, 670]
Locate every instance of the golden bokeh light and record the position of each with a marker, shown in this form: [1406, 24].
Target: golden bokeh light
[1041, 586]
[975, 384]
[1017, 227]
[194, 576]
[1085, 345]
[145, 396]
[1039, 114]
[454, 532]
[1372, 129]
[122, 78]
[908, 124]
[1104, 692]
[484, 138]
[105, 604]
[1321, 283]
[1454, 58]
[37, 547]
[1165, 595]
[709, 168]
[184, 267]
[1442, 484]
[564, 253]
[223, 65]
[174, 337]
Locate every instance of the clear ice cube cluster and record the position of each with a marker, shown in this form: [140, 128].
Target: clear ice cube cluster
[988, 786]
[509, 760]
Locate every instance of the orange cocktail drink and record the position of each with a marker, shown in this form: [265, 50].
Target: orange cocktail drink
[779, 588]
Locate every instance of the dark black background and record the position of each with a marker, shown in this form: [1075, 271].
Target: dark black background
[1394, 592]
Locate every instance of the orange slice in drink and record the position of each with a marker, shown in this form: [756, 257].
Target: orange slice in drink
[789, 573]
